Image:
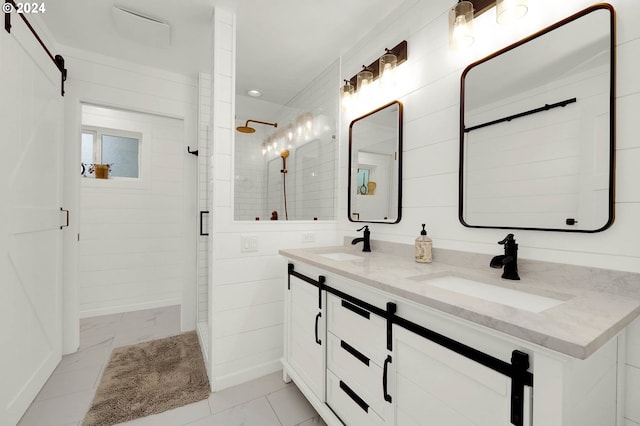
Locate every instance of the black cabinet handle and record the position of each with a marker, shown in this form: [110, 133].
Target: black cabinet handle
[356, 353]
[356, 309]
[67, 222]
[354, 396]
[385, 370]
[318, 341]
[202, 233]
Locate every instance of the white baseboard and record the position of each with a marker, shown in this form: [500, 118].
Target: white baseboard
[107, 310]
[246, 375]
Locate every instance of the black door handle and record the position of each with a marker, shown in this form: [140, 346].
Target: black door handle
[202, 233]
[318, 341]
[385, 370]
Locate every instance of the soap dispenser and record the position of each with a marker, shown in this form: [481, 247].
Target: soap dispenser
[423, 247]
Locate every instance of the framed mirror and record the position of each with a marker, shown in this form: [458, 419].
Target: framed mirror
[375, 166]
[537, 130]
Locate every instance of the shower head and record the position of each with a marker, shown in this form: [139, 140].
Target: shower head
[247, 129]
[284, 153]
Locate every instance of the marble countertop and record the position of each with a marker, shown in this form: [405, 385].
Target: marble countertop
[597, 303]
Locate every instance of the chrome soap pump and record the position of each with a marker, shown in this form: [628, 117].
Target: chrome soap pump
[423, 247]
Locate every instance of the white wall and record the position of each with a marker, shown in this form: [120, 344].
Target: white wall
[246, 289]
[99, 80]
[132, 231]
[429, 88]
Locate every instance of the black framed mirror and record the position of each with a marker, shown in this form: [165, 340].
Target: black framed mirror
[537, 126]
[375, 166]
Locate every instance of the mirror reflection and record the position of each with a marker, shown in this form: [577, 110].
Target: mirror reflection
[285, 155]
[375, 165]
[537, 130]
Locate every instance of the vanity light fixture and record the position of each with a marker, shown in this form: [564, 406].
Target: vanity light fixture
[462, 14]
[364, 78]
[508, 11]
[388, 63]
[346, 94]
[372, 72]
[461, 25]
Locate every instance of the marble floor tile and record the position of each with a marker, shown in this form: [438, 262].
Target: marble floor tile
[314, 421]
[63, 410]
[177, 416]
[67, 395]
[236, 395]
[65, 383]
[291, 406]
[254, 413]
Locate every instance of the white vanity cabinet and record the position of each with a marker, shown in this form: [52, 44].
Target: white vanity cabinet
[387, 360]
[357, 363]
[305, 333]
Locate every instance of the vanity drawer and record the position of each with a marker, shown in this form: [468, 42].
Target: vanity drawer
[363, 375]
[352, 409]
[362, 329]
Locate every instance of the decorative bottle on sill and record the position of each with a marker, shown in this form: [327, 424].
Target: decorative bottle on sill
[423, 247]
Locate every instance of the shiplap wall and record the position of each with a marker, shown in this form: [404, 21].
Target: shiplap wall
[246, 289]
[100, 80]
[202, 261]
[429, 88]
[131, 235]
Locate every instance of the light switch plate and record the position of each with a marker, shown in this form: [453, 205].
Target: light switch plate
[308, 237]
[248, 243]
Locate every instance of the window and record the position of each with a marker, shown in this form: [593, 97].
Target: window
[119, 149]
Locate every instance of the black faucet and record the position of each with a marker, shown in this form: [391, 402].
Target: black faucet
[509, 260]
[366, 239]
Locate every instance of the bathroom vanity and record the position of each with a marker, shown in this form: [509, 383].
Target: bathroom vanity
[377, 339]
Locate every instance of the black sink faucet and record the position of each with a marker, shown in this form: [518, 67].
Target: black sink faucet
[366, 239]
[508, 261]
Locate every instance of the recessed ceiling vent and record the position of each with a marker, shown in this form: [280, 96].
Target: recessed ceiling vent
[141, 28]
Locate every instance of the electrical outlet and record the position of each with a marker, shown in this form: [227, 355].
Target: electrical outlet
[248, 243]
[308, 237]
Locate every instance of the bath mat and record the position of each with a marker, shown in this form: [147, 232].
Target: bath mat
[149, 378]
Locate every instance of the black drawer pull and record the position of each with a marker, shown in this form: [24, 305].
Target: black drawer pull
[202, 213]
[385, 370]
[353, 351]
[358, 310]
[318, 341]
[354, 396]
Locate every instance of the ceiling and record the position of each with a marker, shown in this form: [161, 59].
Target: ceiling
[281, 45]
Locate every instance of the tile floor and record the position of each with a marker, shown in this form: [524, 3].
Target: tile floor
[67, 395]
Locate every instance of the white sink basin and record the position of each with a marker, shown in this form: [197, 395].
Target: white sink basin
[505, 296]
[341, 256]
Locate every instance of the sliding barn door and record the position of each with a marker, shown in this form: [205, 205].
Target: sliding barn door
[31, 117]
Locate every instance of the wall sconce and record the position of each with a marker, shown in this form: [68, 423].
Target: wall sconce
[461, 25]
[346, 95]
[388, 63]
[508, 11]
[462, 14]
[377, 69]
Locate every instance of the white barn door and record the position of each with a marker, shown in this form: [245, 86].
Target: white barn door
[31, 124]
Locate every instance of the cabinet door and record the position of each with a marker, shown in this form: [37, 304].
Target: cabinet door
[435, 386]
[306, 335]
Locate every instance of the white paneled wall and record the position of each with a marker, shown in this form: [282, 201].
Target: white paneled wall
[246, 288]
[121, 85]
[429, 88]
[132, 230]
[202, 262]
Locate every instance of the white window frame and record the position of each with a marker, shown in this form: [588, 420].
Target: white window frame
[144, 158]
